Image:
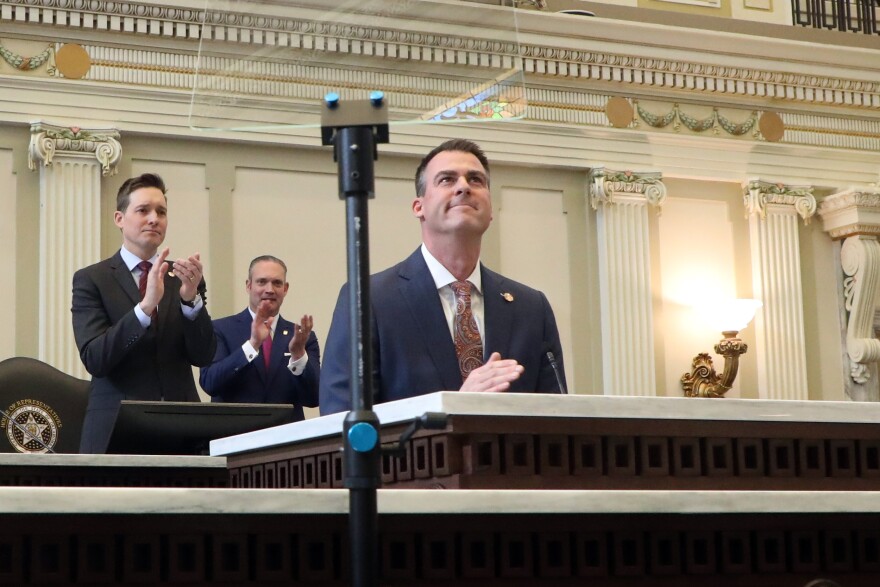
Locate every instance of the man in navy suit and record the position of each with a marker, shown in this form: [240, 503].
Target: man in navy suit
[261, 357]
[139, 328]
[441, 321]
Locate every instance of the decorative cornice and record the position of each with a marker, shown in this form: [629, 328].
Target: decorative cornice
[605, 183]
[48, 140]
[413, 58]
[701, 77]
[276, 26]
[851, 198]
[855, 211]
[757, 195]
[567, 107]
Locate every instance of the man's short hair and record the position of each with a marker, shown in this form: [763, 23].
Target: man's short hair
[262, 258]
[450, 145]
[145, 180]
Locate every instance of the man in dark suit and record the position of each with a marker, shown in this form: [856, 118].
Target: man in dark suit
[139, 327]
[261, 357]
[441, 321]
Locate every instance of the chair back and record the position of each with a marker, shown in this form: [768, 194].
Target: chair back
[42, 408]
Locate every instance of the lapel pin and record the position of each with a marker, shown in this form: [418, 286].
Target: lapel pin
[284, 332]
[508, 297]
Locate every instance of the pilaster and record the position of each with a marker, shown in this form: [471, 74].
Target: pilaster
[73, 162]
[621, 201]
[853, 216]
[773, 210]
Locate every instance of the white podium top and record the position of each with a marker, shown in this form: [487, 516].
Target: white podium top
[560, 406]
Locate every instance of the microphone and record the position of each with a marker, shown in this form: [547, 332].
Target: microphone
[559, 383]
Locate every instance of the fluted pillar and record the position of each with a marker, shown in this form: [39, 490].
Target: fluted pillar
[621, 201]
[853, 216]
[72, 161]
[774, 212]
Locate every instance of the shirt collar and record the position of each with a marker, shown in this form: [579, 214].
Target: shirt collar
[441, 275]
[131, 260]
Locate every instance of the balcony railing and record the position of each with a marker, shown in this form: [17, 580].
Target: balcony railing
[856, 16]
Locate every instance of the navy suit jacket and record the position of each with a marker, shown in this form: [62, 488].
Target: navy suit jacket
[232, 379]
[126, 360]
[413, 351]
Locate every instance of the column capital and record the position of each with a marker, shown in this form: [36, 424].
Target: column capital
[49, 140]
[855, 211]
[604, 183]
[758, 194]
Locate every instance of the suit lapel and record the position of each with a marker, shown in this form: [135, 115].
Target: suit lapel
[419, 292]
[498, 314]
[123, 276]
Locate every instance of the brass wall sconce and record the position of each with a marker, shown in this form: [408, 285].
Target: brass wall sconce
[731, 317]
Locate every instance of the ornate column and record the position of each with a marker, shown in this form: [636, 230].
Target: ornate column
[73, 161]
[621, 201]
[773, 210]
[853, 216]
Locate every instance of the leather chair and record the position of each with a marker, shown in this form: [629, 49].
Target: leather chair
[43, 408]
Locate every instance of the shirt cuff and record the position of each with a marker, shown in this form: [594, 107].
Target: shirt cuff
[250, 353]
[142, 318]
[298, 366]
[191, 313]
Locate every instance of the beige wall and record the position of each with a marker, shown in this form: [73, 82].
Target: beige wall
[232, 202]
[19, 231]
[702, 253]
[8, 265]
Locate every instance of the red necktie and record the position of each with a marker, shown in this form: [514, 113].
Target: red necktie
[468, 345]
[267, 349]
[145, 267]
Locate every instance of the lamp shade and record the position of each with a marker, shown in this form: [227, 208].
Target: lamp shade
[730, 315]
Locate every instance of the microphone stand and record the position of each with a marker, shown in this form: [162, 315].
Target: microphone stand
[355, 129]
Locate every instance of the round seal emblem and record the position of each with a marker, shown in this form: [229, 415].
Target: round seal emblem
[31, 426]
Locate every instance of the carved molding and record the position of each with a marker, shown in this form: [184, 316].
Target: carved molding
[558, 75]
[22, 63]
[757, 195]
[851, 212]
[716, 122]
[860, 260]
[605, 183]
[48, 140]
[185, 22]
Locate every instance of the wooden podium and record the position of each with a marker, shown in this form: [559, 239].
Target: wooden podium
[534, 441]
[540, 491]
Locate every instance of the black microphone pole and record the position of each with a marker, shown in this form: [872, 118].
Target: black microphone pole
[355, 129]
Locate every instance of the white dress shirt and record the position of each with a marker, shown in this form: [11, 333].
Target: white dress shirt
[443, 278]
